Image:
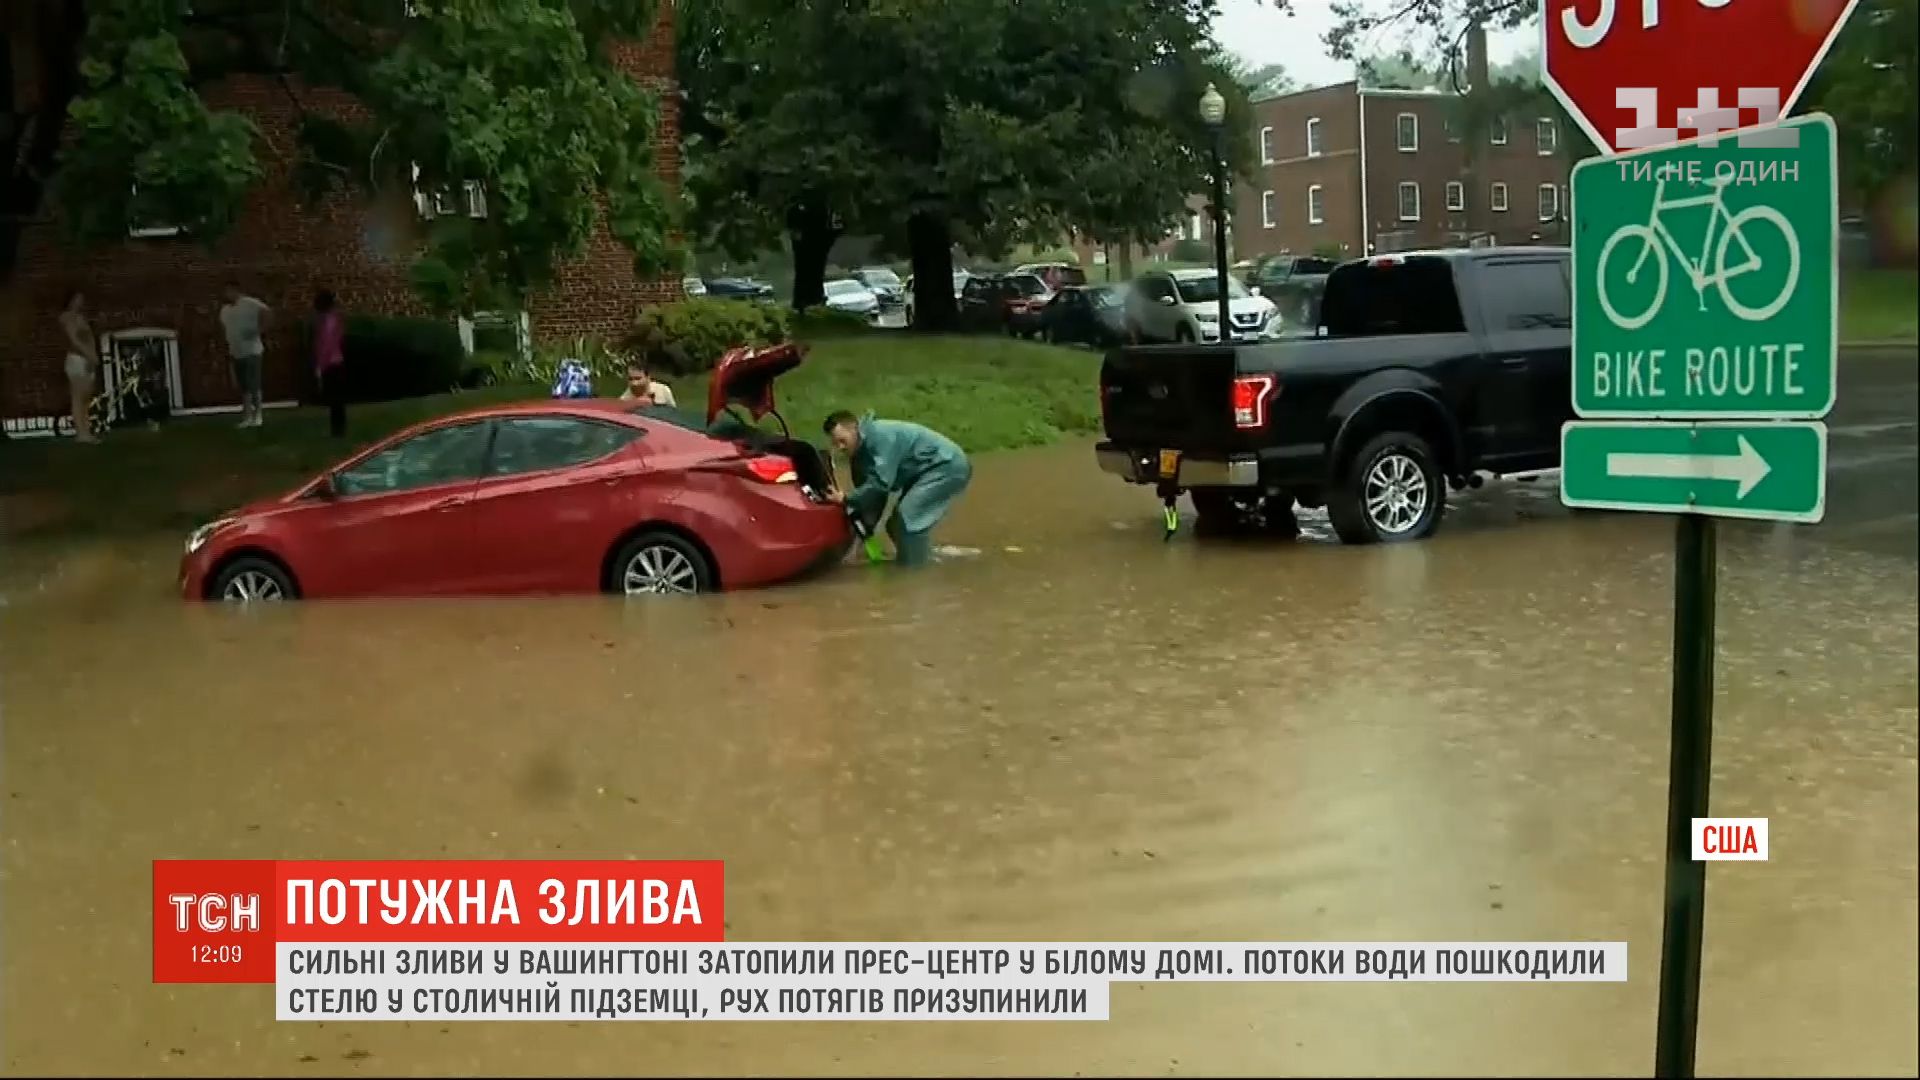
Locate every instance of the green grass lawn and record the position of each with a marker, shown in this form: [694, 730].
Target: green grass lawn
[1879, 305]
[988, 393]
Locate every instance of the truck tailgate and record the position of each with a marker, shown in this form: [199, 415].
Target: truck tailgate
[1171, 396]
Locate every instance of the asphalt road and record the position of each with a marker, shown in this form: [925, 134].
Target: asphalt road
[1873, 475]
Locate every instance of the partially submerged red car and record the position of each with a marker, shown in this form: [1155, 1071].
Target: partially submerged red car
[544, 497]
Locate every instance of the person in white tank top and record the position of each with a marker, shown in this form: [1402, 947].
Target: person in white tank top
[80, 364]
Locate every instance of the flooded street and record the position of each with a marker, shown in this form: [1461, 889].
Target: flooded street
[1080, 733]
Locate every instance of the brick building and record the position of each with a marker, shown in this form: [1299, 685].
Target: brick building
[159, 287]
[1349, 169]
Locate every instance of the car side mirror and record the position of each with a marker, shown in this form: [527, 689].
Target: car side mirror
[325, 489]
[1168, 301]
[1255, 290]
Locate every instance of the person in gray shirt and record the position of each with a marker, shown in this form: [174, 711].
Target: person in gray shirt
[244, 320]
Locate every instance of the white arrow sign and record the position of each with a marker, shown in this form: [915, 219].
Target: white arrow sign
[1747, 468]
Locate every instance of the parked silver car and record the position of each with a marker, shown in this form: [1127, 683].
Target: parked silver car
[883, 283]
[1184, 305]
[848, 295]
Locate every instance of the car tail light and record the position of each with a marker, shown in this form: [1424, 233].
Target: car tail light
[772, 469]
[1250, 396]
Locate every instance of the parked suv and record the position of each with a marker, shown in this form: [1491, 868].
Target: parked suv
[1184, 306]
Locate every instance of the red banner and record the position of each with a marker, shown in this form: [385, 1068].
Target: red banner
[219, 921]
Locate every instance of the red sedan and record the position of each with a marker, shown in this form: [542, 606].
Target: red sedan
[543, 497]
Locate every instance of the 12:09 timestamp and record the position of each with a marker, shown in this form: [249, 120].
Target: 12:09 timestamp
[214, 954]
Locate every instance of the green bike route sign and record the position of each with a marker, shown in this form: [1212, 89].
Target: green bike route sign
[1772, 471]
[1705, 278]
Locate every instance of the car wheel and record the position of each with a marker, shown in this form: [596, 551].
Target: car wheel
[1392, 491]
[251, 579]
[1223, 513]
[661, 564]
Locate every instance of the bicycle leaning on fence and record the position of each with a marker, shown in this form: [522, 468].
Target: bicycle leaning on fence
[1657, 242]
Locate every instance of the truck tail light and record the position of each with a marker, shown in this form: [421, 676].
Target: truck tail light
[1251, 393]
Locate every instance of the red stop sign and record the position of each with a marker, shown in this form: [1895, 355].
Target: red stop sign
[1640, 73]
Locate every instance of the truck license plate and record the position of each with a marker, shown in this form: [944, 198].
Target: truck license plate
[1169, 464]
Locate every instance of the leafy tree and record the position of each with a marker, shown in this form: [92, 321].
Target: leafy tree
[1399, 71]
[1867, 84]
[934, 122]
[1137, 181]
[517, 95]
[1268, 80]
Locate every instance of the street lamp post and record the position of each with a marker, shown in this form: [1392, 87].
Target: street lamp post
[1213, 112]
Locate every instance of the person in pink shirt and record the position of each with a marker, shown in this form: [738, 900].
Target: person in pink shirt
[329, 359]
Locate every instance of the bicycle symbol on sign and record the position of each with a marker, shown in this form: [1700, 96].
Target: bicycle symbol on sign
[1658, 243]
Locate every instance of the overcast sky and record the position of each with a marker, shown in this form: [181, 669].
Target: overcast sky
[1261, 36]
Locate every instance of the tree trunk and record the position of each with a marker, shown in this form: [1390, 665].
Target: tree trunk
[930, 242]
[810, 234]
[1126, 259]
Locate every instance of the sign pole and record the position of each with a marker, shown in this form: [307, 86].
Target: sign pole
[1690, 768]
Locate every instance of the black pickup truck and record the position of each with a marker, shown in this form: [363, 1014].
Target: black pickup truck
[1428, 369]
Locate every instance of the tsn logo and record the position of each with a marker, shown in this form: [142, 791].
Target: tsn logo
[215, 913]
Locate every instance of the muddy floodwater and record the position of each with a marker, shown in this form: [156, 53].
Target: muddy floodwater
[1080, 733]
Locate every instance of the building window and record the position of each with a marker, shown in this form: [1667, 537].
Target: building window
[1409, 201]
[139, 224]
[1314, 147]
[1266, 146]
[1549, 202]
[1548, 135]
[1499, 199]
[1408, 131]
[1453, 129]
[1266, 209]
[1456, 195]
[1499, 135]
[503, 332]
[1316, 206]
[471, 200]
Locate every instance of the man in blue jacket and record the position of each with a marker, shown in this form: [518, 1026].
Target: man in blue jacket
[892, 457]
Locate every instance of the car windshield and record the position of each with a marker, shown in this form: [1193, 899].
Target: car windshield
[1313, 266]
[1026, 285]
[881, 276]
[845, 288]
[1201, 290]
[1104, 298]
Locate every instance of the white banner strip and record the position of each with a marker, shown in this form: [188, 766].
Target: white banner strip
[859, 981]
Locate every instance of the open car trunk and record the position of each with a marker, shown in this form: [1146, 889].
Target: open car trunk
[740, 394]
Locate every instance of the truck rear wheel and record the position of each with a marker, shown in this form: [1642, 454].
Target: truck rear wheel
[1391, 492]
